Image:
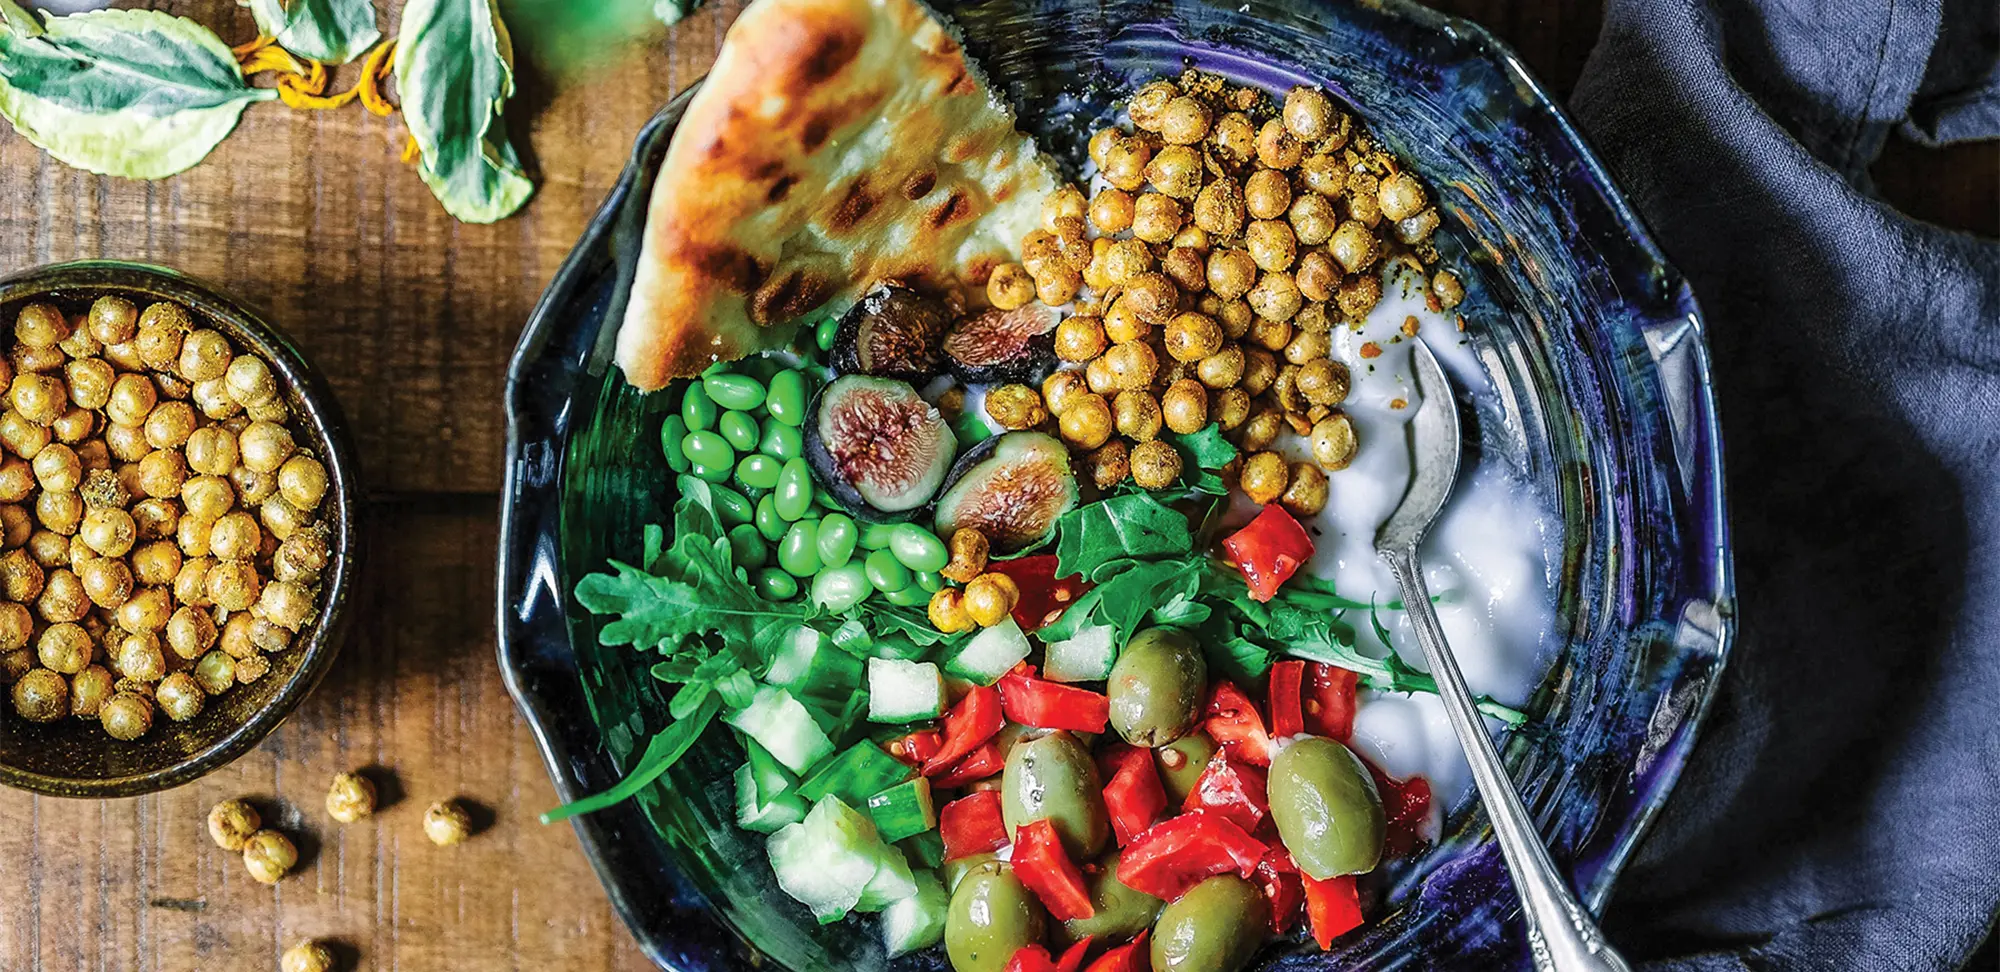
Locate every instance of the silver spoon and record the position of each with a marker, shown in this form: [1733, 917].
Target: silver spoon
[1561, 935]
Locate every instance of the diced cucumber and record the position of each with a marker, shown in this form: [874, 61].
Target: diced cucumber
[764, 811]
[1086, 657]
[904, 810]
[991, 653]
[916, 922]
[904, 691]
[828, 860]
[893, 881]
[783, 725]
[791, 662]
[816, 671]
[925, 849]
[858, 772]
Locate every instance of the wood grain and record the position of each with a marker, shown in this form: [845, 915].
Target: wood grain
[412, 317]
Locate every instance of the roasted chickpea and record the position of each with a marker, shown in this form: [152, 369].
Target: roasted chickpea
[169, 425]
[93, 454]
[1447, 289]
[1308, 346]
[190, 632]
[969, 550]
[147, 611]
[1057, 390]
[234, 536]
[1317, 276]
[1222, 369]
[1308, 113]
[232, 584]
[1156, 217]
[1191, 336]
[1185, 406]
[211, 451]
[207, 497]
[1187, 268]
[1184, 121]
[281, 519]
[88, 691]
[235, 637]
[1271, 244]
[1264, 477]
[350, 797]
[41, 696]
[1153, 297]
[41, 326]
[1058, 286]
[1415, 230]
[1278, 148]
[447, 824]
[49, 548]
[1353, 247]
[162, 327]
[1111, 211]
[1108, 464]
[192, 536]
[1125, 163]
[61, 512]
[1275, 298]
[1312, 218]
[64, 648]
[56, 467]
[107, 581]
[1306, 495]
[1132, 364]
[1009, 287]
[1192, 238]
[139, 657]
[1324, 381]
[1400, 196]
[126, 443]
[155, 518]
[1333, 442]
[109, 531]
[79, 344]
[1285, 392]
[1100, 144]
[1086, 423]
[22, 437]
[126, 715]
[250, 669]
[1233, 138]
[274, 410]
[27, 360]
[212, 397]
[1176, 172]
[1148, 105]
[287, 605]
[216, 672]
[253, 487]
[14, 664]
[1358, 295]
[311, 956]
[1260, 429]
[74, 425]
[1231, 273]
[1236, 317]
[163, 471]
[1099, 379]
[113, 320]
[21, 578]
[1220, 208]
[1324, 174]
[990, 598]
[947, 611]
[1127, 260]
[1155, 465]
[204, 355]
[1267, 194]
[38, 398]
[1361, 200]
[1013, 406]
[16, 525]
[17, 626]
[1137, 415]
[1065, 202]
[269, 855]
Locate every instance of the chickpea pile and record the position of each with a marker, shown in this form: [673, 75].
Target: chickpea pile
[1207, 276]
[159, 526]
[987, 598]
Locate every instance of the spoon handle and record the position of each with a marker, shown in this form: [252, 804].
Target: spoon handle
[1561, 935]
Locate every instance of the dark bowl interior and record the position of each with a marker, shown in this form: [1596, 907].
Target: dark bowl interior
[73, 758]
[1593, 347]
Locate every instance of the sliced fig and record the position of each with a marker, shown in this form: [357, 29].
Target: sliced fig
[1012, 488]
[1004, 346]
[877, 447]
[893, 332]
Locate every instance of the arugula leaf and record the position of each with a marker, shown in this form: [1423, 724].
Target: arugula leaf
[1134, 525]
[1207, 447]
[666, 749]
[1128, 596]
[455, 70]
[334, 31]
[134, 93]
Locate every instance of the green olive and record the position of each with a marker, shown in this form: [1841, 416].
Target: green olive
[992, 916]
[1181, 763]
[1156, 687]
[1215, 927]
[956, 869]
[1053, 777]
[1326, 808]
[1117, 911]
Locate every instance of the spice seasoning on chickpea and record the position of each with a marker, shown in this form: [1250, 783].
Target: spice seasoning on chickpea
[350, 797]
[447, 824]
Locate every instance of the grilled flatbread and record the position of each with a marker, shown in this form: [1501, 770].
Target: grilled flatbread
[836, 143]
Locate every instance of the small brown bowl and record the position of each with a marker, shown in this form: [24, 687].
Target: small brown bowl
[74, 757]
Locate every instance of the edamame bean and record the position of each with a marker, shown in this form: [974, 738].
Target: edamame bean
[930, 581]
[709, 449]
[828, 329]
[776, 585]
[732, 507]
[738, 429]
[837, 535]
[715, 474]
[875, 536]
[787, 398]
[910, 596]
[780, 441]
[746, 547]
[769, 523]
[918, 548]
[885, 571]
[672, 431]
[740, 392]
[798, 552]
[795, 489]
[759, 471]
[840, 588]
[697, 409]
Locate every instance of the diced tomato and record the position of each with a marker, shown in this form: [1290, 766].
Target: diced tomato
[1329, 705]
[973, 721]
[1129, 957]
[981, 763]
[1180, 852]
[1234, 724]
[1044, 598]
[1072, 957]
[1333, 906]
[972, 824]
[1031, 958]
[1233, 789]
[1269, 550]
[1407, 804]
[1287, 700]
[1278, 878]
[1042, 864]
[1134, 798]
[1043, 704]
[917, 747]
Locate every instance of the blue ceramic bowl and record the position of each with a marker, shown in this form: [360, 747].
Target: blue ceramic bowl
[1592, 341]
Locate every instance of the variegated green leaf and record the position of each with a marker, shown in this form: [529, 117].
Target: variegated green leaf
[334, 31]
[455, 71]
[133, 93]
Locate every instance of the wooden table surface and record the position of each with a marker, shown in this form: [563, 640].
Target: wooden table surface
[412, 317]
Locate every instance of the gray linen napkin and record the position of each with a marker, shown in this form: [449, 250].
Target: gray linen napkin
[1842, 810]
